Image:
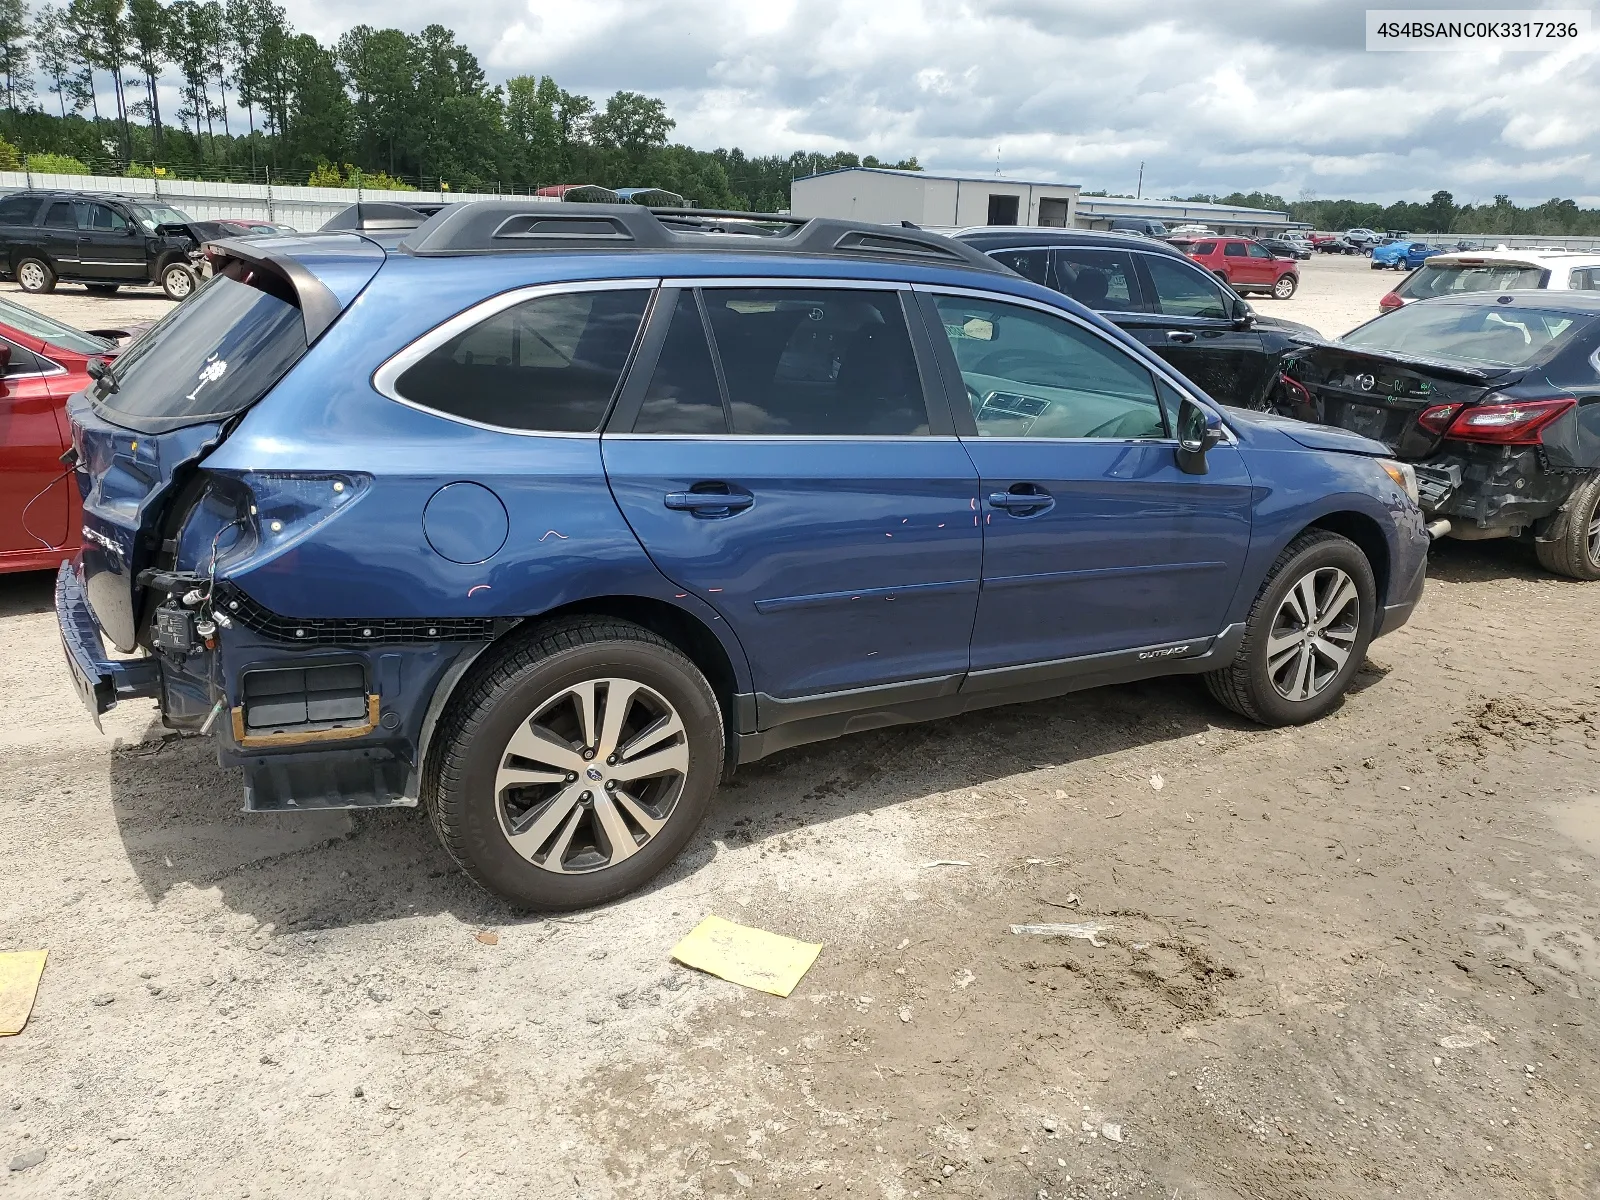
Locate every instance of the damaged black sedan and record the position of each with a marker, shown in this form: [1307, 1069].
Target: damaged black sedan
[1494, 400]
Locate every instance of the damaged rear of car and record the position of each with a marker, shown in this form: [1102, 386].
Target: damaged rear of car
[1494, 398]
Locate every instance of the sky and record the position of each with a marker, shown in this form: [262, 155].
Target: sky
[1275, 95]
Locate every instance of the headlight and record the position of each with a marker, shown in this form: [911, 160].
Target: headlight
[1403, 474]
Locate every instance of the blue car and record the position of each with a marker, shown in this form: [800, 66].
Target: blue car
[549, 516]
[1402, 255]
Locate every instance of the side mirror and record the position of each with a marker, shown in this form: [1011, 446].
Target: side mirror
[1243, 315]
[1199, 430]
[5, 357]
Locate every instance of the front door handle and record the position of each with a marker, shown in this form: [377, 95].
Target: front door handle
[710, 500]
[1023, 500]
[1180, 335]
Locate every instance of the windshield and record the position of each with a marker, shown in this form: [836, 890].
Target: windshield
[151, 215]
[212, 356]
[42, 327]
[1447, 279]
[1492, 335]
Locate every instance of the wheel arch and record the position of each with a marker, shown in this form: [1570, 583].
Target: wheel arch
[1369, 538]
[724, 668]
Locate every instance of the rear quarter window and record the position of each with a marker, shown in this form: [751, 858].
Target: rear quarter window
[19, 210]
[549, 364]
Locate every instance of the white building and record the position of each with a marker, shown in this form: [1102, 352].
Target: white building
[1099, 212]
[923, 198]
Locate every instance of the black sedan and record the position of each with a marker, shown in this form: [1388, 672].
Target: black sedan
[1493, 398]
[1283, 249]
[1154, 292]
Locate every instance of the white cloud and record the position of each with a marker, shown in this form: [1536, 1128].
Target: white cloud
[1236, 94]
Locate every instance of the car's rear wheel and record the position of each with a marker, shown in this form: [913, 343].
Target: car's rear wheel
[177, 281]
[1576, 553]
[36, 276]
[1284, 287]
[577, 766]
[1306, 636]
[101, 289]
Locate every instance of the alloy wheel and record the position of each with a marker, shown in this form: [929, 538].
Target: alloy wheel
[31, 277]
[179, 284]
[1594, 539]
[1313, 633]
[591, 775]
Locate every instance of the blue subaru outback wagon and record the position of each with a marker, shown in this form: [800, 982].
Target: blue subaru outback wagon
[548, 516]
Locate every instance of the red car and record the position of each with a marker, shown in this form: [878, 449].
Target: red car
[42, 362]
[1246, 266]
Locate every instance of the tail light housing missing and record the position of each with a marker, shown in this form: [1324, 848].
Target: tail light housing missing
[1520, 423]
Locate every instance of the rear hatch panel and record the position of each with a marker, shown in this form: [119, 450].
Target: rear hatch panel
[142, 429]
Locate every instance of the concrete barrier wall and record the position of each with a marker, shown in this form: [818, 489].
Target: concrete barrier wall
[305, 208]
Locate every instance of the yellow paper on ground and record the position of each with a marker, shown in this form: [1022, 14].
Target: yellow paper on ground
[755, 958]
[19, 983]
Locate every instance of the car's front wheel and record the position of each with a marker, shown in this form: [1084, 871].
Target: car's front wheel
[1306, 635]
[177, 281]
[1284, 287]
[1576, 553]
[36, 276]
[577, 766]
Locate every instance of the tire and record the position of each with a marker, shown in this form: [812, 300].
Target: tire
[471, 782]
[1249, 685]
[102, 289]
[1284, 287]
[1576, 553]
[177, 281]
[35, 276]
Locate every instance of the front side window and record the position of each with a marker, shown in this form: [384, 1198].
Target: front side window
[1584, 279]
[100, 218]
[21, 362]
[1184, 291]
[819, 362]
[1030, 264]
[548, 364]
[1097, 279]
[1259, 251]
[1030, 374]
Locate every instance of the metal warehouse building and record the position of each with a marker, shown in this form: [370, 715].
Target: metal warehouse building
[1098, 212]
[889, 196]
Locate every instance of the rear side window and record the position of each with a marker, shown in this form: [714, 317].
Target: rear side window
[1030, 264]
[1183, 290]
[62, 215]
[821, 362]
[1204, 248]
[18, 210]
[1234, 250]
[683, 396]
[212, 356]
[1099, 279]
[1586, 279]
[1449, 279]
[549, 364]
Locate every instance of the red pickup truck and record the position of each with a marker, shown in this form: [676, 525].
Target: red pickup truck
[1246, 266]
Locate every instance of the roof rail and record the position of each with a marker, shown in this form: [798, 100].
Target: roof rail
[502, 226]
[374, 216]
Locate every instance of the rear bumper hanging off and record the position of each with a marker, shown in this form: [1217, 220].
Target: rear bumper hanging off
[101, 681]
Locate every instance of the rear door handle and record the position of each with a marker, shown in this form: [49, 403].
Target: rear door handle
[1179, 335]
[710, 500]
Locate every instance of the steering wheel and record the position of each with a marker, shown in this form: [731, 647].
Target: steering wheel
[972, 395]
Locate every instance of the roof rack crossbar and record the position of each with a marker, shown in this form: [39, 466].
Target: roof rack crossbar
[521, 225]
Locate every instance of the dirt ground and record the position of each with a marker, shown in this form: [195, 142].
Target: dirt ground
[1354, 959]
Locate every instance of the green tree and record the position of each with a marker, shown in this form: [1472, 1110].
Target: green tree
[14, 53]
[102, 37]
[315, 112]
[55, 50]
[634, 124]
[189, 42]
[148, 23]
[382, 72]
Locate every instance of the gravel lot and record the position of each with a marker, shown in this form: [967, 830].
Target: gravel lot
[1349, 960]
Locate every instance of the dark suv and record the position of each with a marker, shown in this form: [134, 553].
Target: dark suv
[1154, 292]
[547, 515]
[102, 241]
